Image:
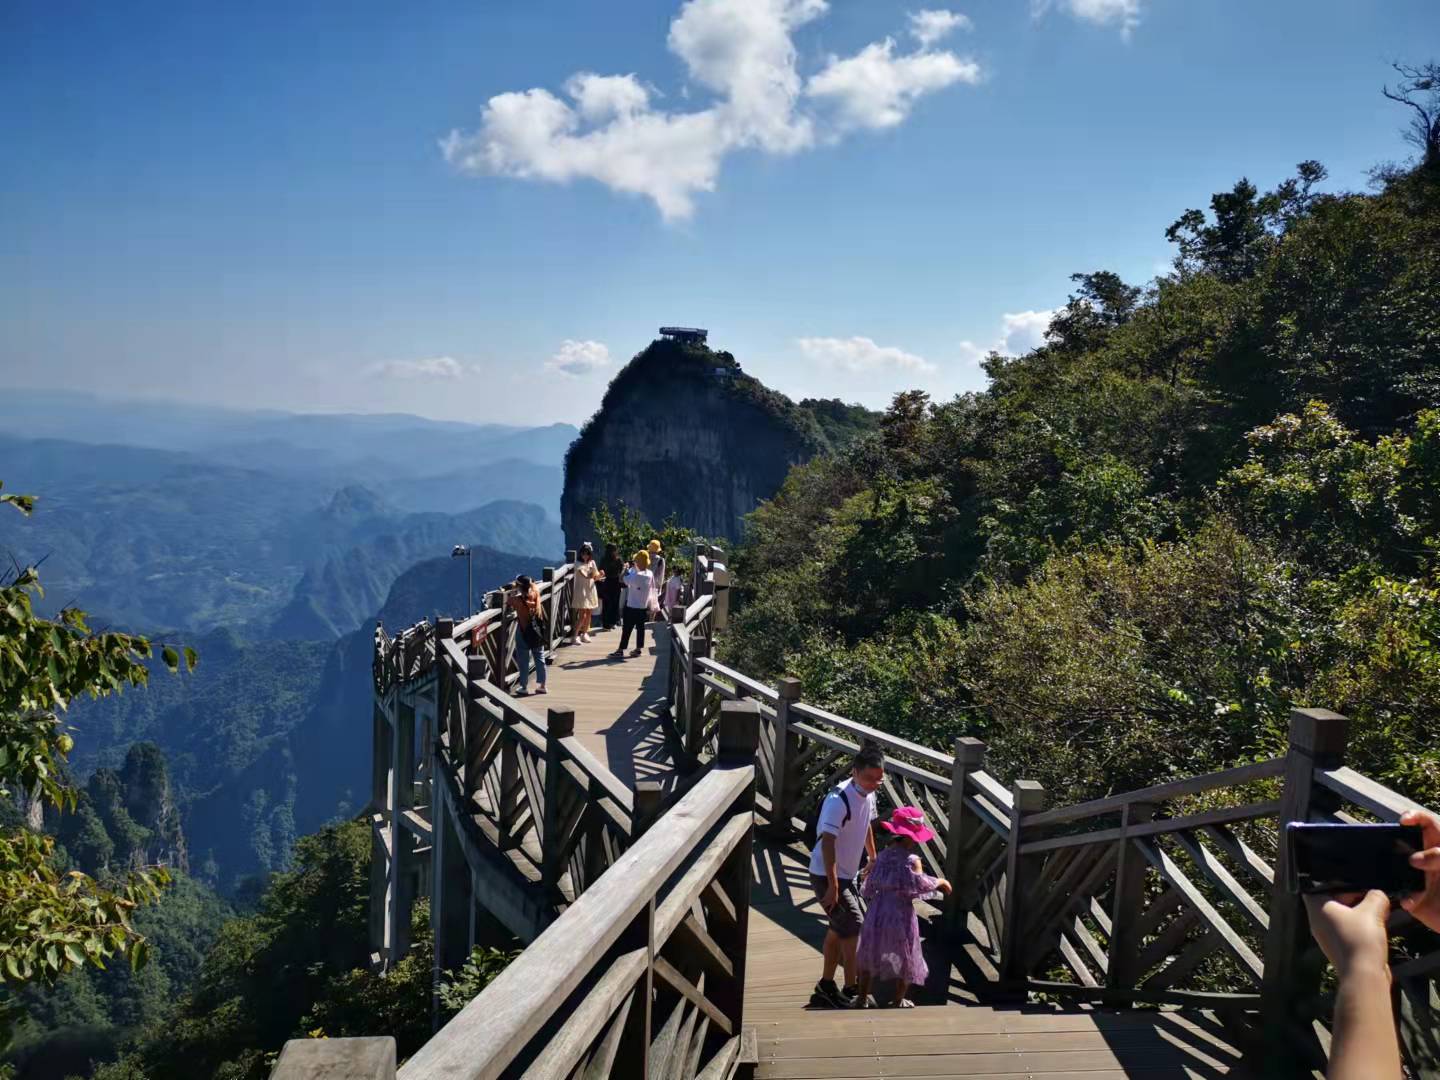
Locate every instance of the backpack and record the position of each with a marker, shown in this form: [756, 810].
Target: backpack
[812, 821]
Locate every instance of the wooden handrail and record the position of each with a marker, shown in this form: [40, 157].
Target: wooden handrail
[494, 1029]
[1193, 785]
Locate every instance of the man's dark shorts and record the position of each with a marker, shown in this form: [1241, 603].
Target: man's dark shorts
[845, 917]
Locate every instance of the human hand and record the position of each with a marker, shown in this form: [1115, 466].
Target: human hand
[1350, 930]
[1425, 906]
[831, 897]
[944, 886]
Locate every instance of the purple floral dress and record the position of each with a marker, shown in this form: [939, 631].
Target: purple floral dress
[890, 938]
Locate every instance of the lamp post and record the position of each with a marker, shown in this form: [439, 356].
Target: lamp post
[461, 551]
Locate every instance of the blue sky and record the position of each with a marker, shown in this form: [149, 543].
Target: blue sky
[262, 204]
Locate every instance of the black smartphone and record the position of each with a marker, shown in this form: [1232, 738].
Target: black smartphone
[1339, 858]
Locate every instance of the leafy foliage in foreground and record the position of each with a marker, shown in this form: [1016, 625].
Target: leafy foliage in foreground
[51, 920]
[299, 967]
[1197, 505]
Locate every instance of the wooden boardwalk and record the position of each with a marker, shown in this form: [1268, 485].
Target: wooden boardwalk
[950, 1038]
[617, 702]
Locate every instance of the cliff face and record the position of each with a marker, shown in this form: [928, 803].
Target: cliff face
[683, 431]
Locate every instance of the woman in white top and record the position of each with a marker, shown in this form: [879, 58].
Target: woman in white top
[639, 588]
[585, 598]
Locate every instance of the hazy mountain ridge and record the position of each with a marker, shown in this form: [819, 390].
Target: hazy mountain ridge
[155, 539]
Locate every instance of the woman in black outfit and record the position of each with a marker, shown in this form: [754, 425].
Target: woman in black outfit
[611, 588]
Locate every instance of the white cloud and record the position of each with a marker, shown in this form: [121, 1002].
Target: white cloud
[436, 367]
[860, 354]
[740, 51]
[1122, 13]
[606, 97]
[1020, 332]
[876, 89]
[579, 357]
[929, 26]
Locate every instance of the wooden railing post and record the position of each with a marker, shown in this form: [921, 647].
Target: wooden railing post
[552, 606]
[969, 758]
[737, 742]
[720, 584]
[1020, 875]
[673, 687]
[495, 600]
[1287, 994]
[782, 790]
[1128, 902]
[649, 794]
[559, 724]
[371, 1058]
[695, 722]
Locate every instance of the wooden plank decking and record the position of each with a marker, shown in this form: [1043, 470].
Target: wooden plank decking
[953, 1039]
[616, 702]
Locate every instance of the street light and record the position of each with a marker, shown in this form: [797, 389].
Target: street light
[462, 552]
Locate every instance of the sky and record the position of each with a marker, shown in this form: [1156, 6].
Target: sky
[477, 209]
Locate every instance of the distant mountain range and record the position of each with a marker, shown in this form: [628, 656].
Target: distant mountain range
[158, 516]
[266, 740]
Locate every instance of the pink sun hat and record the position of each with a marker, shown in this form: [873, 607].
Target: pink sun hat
[909, 821]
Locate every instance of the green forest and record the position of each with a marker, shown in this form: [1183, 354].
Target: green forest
[1201, 502]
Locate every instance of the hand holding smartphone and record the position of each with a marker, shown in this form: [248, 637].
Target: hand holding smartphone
[1343, 858]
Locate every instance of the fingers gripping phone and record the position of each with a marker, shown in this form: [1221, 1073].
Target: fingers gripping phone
[1338, 858]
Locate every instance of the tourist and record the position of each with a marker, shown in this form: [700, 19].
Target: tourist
[843, 836]
[529, 642]
[1351, 931]
[674, 588]
[610, 587]
[639, 592]
[583, 598]
[657, 569]
[890, 939]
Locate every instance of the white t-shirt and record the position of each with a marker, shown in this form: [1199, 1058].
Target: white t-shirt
[849, 835]
[638, 584]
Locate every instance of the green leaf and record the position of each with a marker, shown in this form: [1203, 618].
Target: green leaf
[191, 658]
[139, 954]
[171, 657]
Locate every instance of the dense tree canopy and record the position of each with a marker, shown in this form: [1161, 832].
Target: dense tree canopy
[1199, 503]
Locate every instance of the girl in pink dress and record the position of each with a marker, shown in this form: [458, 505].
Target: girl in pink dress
[890, 938]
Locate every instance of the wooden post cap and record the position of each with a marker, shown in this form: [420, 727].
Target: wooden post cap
[970, 750]
[547, 573]
[475, 666]
[569, 555]
[445, 628]
[739, 735]
[1319, 732]
[494, 598]
[788, 688]
[371, 1058]
[1029, 796]
[560, 722]
[721, 577]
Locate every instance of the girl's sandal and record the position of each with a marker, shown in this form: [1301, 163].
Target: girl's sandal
[904, 1003]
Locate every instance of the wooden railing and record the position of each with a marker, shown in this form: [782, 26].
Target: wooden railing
[476, 799]
[1170, 894]
[644, 975]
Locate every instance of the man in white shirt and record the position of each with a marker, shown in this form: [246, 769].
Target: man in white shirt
[843, 834]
